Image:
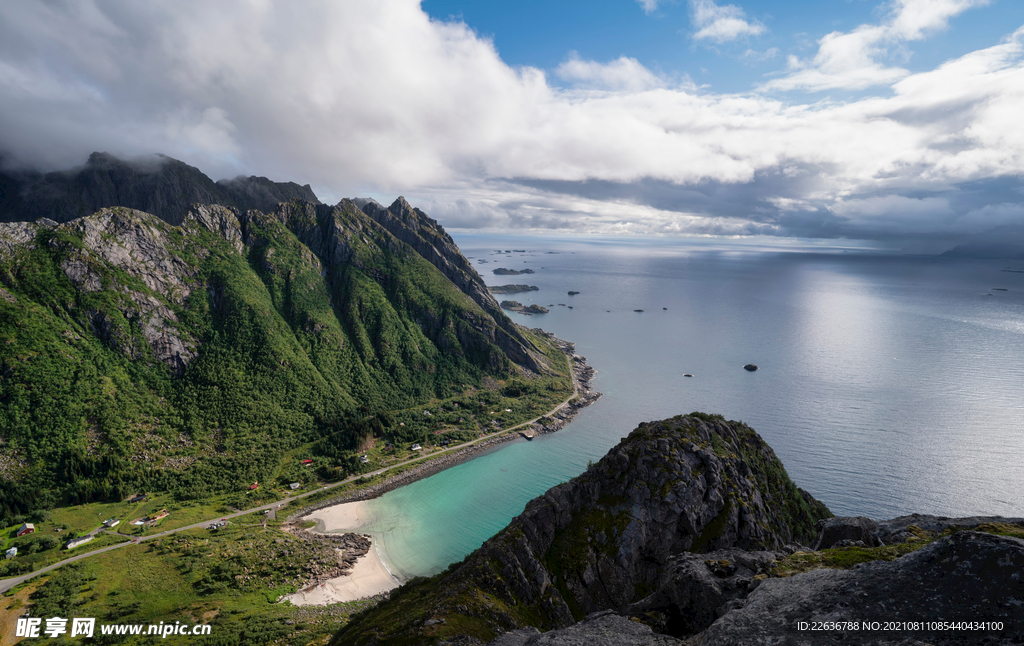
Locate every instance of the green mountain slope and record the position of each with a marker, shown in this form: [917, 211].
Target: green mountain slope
[136, 354]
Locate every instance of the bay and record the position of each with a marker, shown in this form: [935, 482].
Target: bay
[887, 384]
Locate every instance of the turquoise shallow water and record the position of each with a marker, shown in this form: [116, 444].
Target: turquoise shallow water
[888, 385]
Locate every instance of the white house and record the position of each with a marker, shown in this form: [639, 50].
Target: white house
[75, 542]
[11, 553]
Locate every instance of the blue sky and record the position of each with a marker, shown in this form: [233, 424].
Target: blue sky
[543, 34]
[895, 121]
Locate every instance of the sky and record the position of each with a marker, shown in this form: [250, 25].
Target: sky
[897, 122]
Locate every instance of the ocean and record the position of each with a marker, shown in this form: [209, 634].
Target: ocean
[887, 385]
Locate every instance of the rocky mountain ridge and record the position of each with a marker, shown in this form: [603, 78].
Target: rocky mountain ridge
[126, 340]
[689, 532]
[159, 185]
[605, 539]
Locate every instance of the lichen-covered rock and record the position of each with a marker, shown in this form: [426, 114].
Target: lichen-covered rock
[596, 630]
[696, 589]
[967, 577]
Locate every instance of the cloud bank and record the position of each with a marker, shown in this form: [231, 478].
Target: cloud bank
[376, 97]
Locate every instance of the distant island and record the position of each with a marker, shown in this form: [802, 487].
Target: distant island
[516, 306]
[501, 271]
[512, 289]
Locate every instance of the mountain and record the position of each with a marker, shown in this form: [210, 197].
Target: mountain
[689, 532]
[136, 353]
[608, 539]
[159, 185]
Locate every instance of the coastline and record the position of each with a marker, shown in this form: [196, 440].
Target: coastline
[368, 576]
[582, 373]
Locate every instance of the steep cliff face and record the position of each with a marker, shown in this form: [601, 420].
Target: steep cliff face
[159, 185]
[429, 239]
[605, 539]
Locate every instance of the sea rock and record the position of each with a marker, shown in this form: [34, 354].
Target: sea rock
[503, 271]
[512, 289]
[967, 577]
[750, 367]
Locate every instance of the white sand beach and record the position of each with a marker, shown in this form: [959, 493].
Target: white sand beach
[349, 516]
[366, 578]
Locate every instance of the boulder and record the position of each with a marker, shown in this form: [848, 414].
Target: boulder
[847, 528]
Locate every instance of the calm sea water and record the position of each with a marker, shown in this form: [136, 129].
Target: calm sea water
[887, 385]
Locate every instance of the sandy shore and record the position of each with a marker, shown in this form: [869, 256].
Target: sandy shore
[367, 578]
[349, 517]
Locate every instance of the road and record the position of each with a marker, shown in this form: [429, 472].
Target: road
[7, 584]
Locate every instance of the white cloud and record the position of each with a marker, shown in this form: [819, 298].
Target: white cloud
[721, 23]
[377, 98]
[854, 60]
[649, 6]
[623, 74]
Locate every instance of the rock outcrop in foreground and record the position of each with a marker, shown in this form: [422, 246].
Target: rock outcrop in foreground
[611, 538]
[690, 533]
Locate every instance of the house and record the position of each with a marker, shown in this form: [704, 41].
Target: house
[416, 447]
[364, 459]
[75, 542]
[27, 528]
[307, 462]
[11, 553]
[139, 497]
[293, 486]
[254, 485]
[111, 522]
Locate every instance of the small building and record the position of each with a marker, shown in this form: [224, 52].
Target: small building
[364, 459]
[111, 522]
[307, 462]
[163, 513]
[11, 553]
[417, 447]
[27, 528]
[293, 486]
[139, 497]
[254, 486]
[75, 542]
